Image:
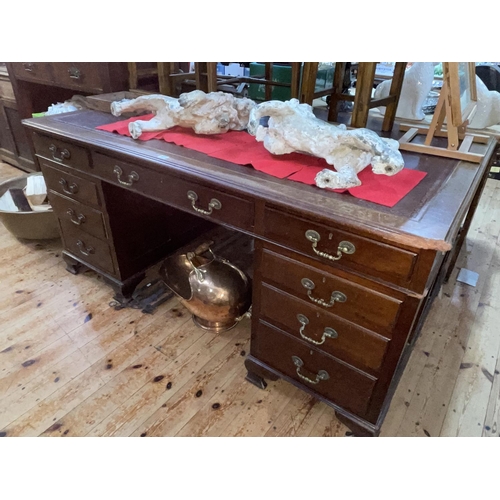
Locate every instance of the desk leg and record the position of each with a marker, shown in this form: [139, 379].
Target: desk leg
[125, 289]
[356, 428]
[72, 265]
[257, 374]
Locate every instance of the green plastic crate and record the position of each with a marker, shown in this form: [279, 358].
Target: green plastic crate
[283, 74]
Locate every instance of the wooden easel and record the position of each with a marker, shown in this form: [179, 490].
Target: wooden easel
[448, 106]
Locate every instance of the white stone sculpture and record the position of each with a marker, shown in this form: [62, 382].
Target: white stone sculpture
[213, 113]
[417, 84]
[488, 107]
[294, 127]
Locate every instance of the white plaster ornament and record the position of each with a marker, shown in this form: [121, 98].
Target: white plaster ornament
[293, 127]
[417, 84]
[212, 113]
[488, 107]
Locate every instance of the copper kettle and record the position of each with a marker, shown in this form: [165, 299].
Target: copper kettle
[216, 292]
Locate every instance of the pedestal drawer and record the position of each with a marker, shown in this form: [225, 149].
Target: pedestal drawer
[349, 250]
[86, 247]
[329, 378]
[38, 71]
[87, 219]
[203, 200]
[327, 332]
[70, 185]
[78, 74]
[342, 297]
[61, 152]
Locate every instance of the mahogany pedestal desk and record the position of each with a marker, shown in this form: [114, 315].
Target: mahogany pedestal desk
[340, 285]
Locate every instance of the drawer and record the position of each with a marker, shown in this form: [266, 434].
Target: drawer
[80, 74]
[334, 380]
[208, 202]
[368, 256]
[87, 219]
[61, 152]
[356, 303]
[86, 247]
[70, 185]
[325, 331]
[39, 71]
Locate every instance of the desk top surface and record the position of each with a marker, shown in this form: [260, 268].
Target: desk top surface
[428, 216]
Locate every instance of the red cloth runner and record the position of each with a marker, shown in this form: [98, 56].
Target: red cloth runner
[242, 148]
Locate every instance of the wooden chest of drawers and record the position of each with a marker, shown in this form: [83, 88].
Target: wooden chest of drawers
[340, 285]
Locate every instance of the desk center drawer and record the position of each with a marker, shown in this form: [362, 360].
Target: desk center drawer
[191, 196]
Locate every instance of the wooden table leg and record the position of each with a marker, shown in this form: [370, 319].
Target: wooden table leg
[364, 85]
[295, 83]
[338, 83]
[396, 86]
[309, 82]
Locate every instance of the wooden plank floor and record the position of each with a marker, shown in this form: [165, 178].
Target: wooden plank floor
[71, 365]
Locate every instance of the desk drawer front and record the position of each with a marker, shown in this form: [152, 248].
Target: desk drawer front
[323, 330]
[191, 197]
[70, 185]
[79, 74]
[61, 152]
[327, 292]
[33, 71]
[351, 251]
[343, 386]
[87, 219]
[86, 247]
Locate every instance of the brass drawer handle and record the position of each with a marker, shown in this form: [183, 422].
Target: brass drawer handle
[85, 249]
[74, 73]
[74, 218]
[214, 204]
[63, 155]
[345, 247]
[131, 178]
[328, 333]
[29, 67]
[321, 375]
[69, 188]
[335, 297]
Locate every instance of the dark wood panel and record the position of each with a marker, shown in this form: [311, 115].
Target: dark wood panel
[345, 386]
[348, 342]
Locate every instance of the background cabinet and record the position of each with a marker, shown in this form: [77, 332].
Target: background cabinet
[14, 145]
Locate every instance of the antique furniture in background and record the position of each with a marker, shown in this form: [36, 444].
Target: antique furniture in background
[457, 102]
[363, 101]
[14, 145]
[340, 285]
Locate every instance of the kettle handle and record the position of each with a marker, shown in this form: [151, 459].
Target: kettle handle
[205, 247]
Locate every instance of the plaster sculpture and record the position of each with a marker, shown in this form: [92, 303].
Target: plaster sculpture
[294, 127]
[417, 84]
[488, 107]
[213, 113]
